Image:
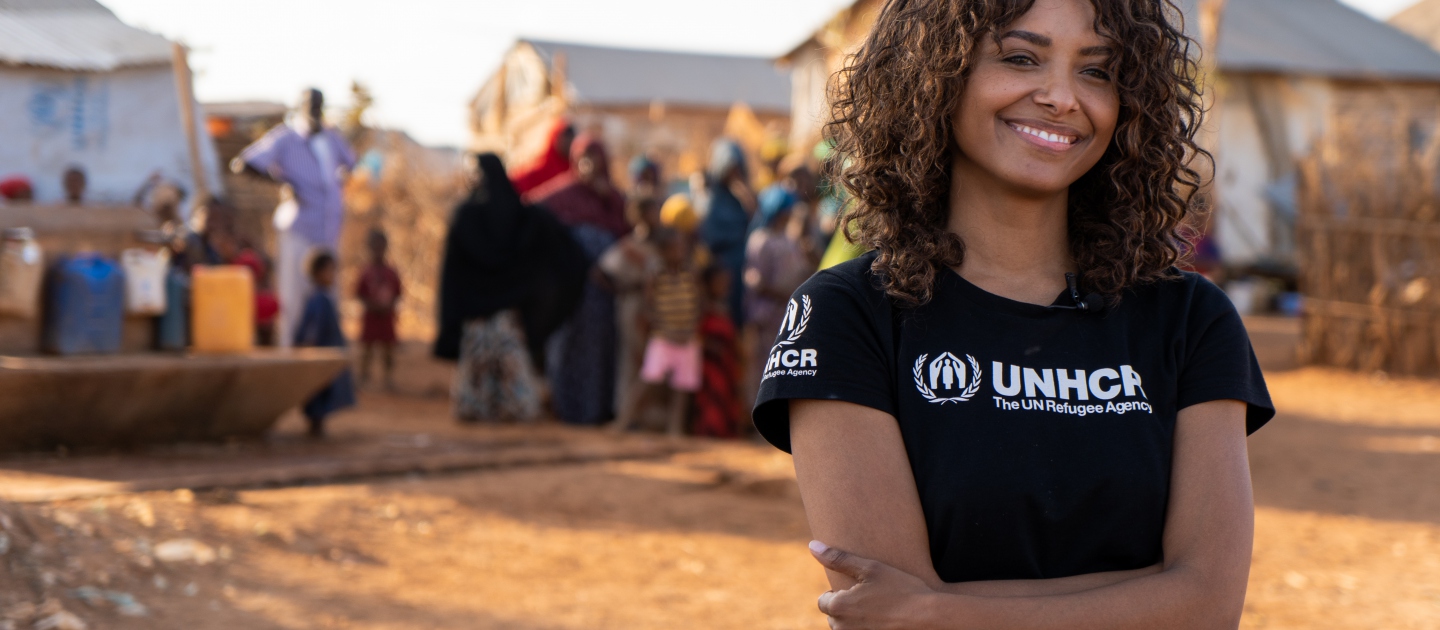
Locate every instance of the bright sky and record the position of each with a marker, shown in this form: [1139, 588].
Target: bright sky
[424, 59]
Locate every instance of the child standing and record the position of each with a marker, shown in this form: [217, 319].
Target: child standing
[320, 327]
[379, 290]
[672, 354]
[717, 406]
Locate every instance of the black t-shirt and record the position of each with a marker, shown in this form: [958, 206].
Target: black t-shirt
[1040, 439]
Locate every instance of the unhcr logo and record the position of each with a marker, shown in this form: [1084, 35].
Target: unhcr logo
[947, 374]
[797, 318]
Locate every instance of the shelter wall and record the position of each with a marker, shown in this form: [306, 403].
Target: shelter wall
[119, 126]
[1269, 123]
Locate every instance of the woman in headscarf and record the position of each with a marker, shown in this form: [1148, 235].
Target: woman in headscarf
[582, 355]
[553, 163]
[511, 275]
[727, 221]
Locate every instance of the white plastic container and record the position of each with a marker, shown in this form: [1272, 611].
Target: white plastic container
[145, 280]
[22, 273]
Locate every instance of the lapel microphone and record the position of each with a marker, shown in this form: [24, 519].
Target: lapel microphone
[1091, 303]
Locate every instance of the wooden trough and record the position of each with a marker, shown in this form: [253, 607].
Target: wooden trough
[126, 400]
[137, 397]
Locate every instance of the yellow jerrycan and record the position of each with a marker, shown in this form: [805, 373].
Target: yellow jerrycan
[222, 309]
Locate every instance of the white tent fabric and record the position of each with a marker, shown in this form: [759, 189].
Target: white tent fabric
[78, 87]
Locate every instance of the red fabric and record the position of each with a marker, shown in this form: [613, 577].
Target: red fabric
[574, 202]
[717, 404]
[549, 166]
[16, 187]
[267, 306]
[379, 289]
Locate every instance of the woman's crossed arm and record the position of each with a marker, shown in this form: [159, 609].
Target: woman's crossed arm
[864, 511]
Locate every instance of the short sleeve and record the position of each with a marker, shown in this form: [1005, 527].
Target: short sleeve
[264, 154]
[834, 344]
[1219, 363]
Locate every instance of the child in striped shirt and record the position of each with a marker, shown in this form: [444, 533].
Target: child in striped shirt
[672, 354]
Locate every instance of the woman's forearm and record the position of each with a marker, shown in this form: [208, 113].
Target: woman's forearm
[1179, 597]
[1040, 588]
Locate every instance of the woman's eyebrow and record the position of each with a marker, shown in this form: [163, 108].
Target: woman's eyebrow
[1046, 42]
[1034, 38]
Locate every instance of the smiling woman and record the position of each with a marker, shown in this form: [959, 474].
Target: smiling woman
[1015, 412]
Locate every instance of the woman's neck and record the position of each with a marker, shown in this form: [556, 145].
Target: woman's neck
[1016, 244]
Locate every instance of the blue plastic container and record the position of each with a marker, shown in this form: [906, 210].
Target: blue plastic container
[172, 328]
[85, 308]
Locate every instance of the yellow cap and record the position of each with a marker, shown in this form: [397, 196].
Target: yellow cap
[679, 214]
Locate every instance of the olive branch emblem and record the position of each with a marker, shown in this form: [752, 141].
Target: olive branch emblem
[930, 394]
[799, 329]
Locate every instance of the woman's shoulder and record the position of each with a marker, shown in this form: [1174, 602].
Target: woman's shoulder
[1184, 292]
[854, 280]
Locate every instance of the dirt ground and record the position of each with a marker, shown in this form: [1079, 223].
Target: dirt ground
[1347, 485]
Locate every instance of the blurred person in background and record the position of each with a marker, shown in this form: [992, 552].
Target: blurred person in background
[313, 160]
[727, 219]
[645, 176]
[319, 327]
[717, 404]
[628, 265]
[74, 182]
[164, 198]
[511, 276]
[775, 265]
[672, 350]
[581, 361]
[379, 292]
[554, 162]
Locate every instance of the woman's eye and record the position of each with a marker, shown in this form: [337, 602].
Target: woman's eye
[1019, 60]
[1098, 73]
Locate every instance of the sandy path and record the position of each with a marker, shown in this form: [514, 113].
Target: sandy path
[1348, 536]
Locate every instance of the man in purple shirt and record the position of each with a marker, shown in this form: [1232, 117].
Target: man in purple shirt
[313, 161]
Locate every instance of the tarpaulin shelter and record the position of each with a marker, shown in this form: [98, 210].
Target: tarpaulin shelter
[79, 87]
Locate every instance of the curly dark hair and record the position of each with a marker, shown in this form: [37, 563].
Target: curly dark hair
[892, 127]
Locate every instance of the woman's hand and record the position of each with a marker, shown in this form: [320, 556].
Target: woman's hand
[882, 598]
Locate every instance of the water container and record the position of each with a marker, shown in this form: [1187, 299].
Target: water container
[145, 280]
[222, 309]
[172, 328]
[86, 306]
[22, 271]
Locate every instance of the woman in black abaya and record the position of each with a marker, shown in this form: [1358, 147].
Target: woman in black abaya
[511, 276]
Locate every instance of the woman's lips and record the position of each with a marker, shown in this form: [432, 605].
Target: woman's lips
[1052, 140]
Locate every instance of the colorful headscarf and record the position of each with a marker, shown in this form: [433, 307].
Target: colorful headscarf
[679, 214]
[549, 165]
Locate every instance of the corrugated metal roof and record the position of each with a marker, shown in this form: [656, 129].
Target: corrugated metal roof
[622, 76]
[1316, 37]
[75, 39]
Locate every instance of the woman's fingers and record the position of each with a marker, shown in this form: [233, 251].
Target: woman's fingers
[842, 561]
[824, 602]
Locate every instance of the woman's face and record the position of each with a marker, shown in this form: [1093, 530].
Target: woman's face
[1039, 107]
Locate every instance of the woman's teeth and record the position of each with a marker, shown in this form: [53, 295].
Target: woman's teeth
[1045, 135]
